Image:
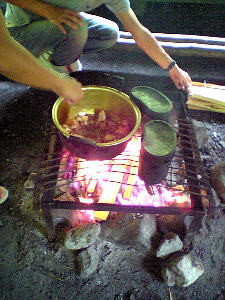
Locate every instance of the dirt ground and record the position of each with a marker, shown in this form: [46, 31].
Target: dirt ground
[33, 268]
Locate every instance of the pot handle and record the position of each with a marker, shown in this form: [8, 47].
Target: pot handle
[77, 138]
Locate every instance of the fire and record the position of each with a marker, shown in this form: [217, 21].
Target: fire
[90, 213]
[117, 181]
[159, 196]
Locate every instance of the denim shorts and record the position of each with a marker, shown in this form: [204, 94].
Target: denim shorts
[95, 34]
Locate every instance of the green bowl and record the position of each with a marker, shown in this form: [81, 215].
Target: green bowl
[159, 138]
[151, 102]
[157, 150]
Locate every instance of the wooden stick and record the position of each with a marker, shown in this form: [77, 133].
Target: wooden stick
[131, 179]
[112, 187]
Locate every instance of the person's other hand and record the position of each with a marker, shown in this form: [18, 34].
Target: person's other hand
[60, 16]
[181, 79]
[70, 89]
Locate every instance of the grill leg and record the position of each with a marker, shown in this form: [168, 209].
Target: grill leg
[50, 228]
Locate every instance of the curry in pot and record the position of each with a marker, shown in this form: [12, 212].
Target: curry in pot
[102, 127]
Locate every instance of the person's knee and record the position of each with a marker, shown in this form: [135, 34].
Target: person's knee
[79, 35]
[111, 35]
[69, 49]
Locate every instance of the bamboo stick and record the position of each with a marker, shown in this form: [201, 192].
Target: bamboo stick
[210, 85]
[206, 96]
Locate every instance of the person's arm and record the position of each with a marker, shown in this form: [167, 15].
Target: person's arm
[55, 15]
[20, 65]
[149, 44]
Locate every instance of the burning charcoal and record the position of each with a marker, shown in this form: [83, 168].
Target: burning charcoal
[218, 180]
[132, 230]
[182, 269]
[71, 217]
[87, 262]
[65, 197]
[83, 236]
[171, 243]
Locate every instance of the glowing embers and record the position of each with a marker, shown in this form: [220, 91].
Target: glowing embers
[157, 195]
[114, 181]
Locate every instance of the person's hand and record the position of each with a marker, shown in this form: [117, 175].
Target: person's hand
[60, 16]
[181, 79]
[70, 89]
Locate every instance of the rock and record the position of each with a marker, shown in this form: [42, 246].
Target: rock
[132, 230]
[201, 134]
[169, 277]
[187, 221]
[217, 201]
[30, 182]
[87, 261]
[171, 243]
[218, 180]
[182, 269]
[147, 230]
[82, 236]
[222, 144]
[172, 223]
[215, 134]
[3, 194]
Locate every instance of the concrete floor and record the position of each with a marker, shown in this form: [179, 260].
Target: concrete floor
[117, 60]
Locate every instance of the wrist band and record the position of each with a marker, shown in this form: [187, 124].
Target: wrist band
[171, 65]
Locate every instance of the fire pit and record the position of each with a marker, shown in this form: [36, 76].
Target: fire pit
[98, 188]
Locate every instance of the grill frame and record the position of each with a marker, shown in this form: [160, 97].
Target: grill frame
[196, 178]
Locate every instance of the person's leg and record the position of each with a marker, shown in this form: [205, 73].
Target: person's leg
[42, 36]
[102, 33]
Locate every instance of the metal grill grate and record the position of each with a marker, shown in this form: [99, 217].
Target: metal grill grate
[186, 168]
